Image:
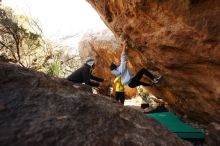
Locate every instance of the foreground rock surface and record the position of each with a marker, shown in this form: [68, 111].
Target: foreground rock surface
[213, 138]
[39, 111]
[177, 38]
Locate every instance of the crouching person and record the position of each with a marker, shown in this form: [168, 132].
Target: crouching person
[84, 74]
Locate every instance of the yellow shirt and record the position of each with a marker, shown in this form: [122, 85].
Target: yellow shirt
[119, 87]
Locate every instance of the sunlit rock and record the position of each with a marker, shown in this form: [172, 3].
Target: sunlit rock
[177, 38]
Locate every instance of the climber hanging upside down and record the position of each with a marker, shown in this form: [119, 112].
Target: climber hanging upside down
[126, 77]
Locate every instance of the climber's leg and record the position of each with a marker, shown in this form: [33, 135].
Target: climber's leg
[151, 76]
[135, 81]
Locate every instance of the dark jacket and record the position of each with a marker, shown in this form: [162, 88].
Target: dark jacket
[83, 75]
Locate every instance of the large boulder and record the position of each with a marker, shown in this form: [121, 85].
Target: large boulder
[177, 38]
[36, 110]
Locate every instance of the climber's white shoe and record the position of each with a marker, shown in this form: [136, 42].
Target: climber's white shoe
[156, 80]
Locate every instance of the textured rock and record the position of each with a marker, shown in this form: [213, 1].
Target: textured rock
[178, 38]
[213, 138]
[41, 111]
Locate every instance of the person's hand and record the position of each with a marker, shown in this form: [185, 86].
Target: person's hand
[126, 48]
[125, 43]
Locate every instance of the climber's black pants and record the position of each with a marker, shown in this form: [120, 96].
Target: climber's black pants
[120, 97]
[135, 81]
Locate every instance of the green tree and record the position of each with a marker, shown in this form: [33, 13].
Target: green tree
[21, 42]
[54, 69]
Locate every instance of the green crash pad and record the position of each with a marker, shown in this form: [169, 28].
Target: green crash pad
[170, 121]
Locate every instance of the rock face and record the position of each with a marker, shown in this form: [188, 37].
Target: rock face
[213, 138]
[40, 111]
[179, 39]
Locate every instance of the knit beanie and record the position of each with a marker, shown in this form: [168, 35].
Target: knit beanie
[112, 66]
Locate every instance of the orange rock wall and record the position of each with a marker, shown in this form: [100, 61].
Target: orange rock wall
[178, 38]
